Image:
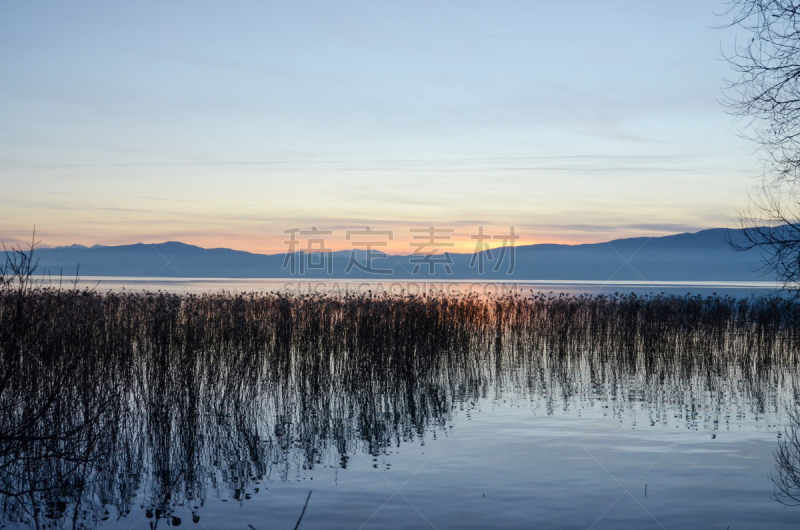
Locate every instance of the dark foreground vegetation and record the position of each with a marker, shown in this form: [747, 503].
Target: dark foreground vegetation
[110, 400]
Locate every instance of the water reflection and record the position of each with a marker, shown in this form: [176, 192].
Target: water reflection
[786, 478]
[113, 401]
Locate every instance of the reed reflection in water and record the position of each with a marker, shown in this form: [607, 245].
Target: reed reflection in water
[112, 401]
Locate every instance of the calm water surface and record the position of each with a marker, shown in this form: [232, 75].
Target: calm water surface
[515, 465]
[485, 421]
[522, 463]
[450, 287]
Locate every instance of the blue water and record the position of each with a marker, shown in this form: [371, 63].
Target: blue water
[199, 285]
[555, 434]
[507, 464]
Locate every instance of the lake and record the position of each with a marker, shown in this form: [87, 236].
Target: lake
[134, 410]
[450, 287]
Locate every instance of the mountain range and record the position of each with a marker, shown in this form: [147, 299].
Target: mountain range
[701, 256]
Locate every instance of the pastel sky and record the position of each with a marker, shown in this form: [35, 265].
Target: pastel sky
[223, 124]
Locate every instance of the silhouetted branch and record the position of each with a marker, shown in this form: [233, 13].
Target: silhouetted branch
[767, 94]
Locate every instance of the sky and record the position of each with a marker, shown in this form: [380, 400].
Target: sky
[225, 124]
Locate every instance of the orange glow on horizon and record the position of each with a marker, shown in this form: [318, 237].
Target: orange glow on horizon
[271, 240]
[402, 248]
[275, 244]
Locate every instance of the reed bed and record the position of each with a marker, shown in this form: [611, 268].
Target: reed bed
[110, 399]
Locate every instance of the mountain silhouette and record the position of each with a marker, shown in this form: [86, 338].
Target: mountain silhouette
[700, 256]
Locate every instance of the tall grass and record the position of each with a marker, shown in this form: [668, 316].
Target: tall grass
[110, 399]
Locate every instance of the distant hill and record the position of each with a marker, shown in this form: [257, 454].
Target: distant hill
[704, 255]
